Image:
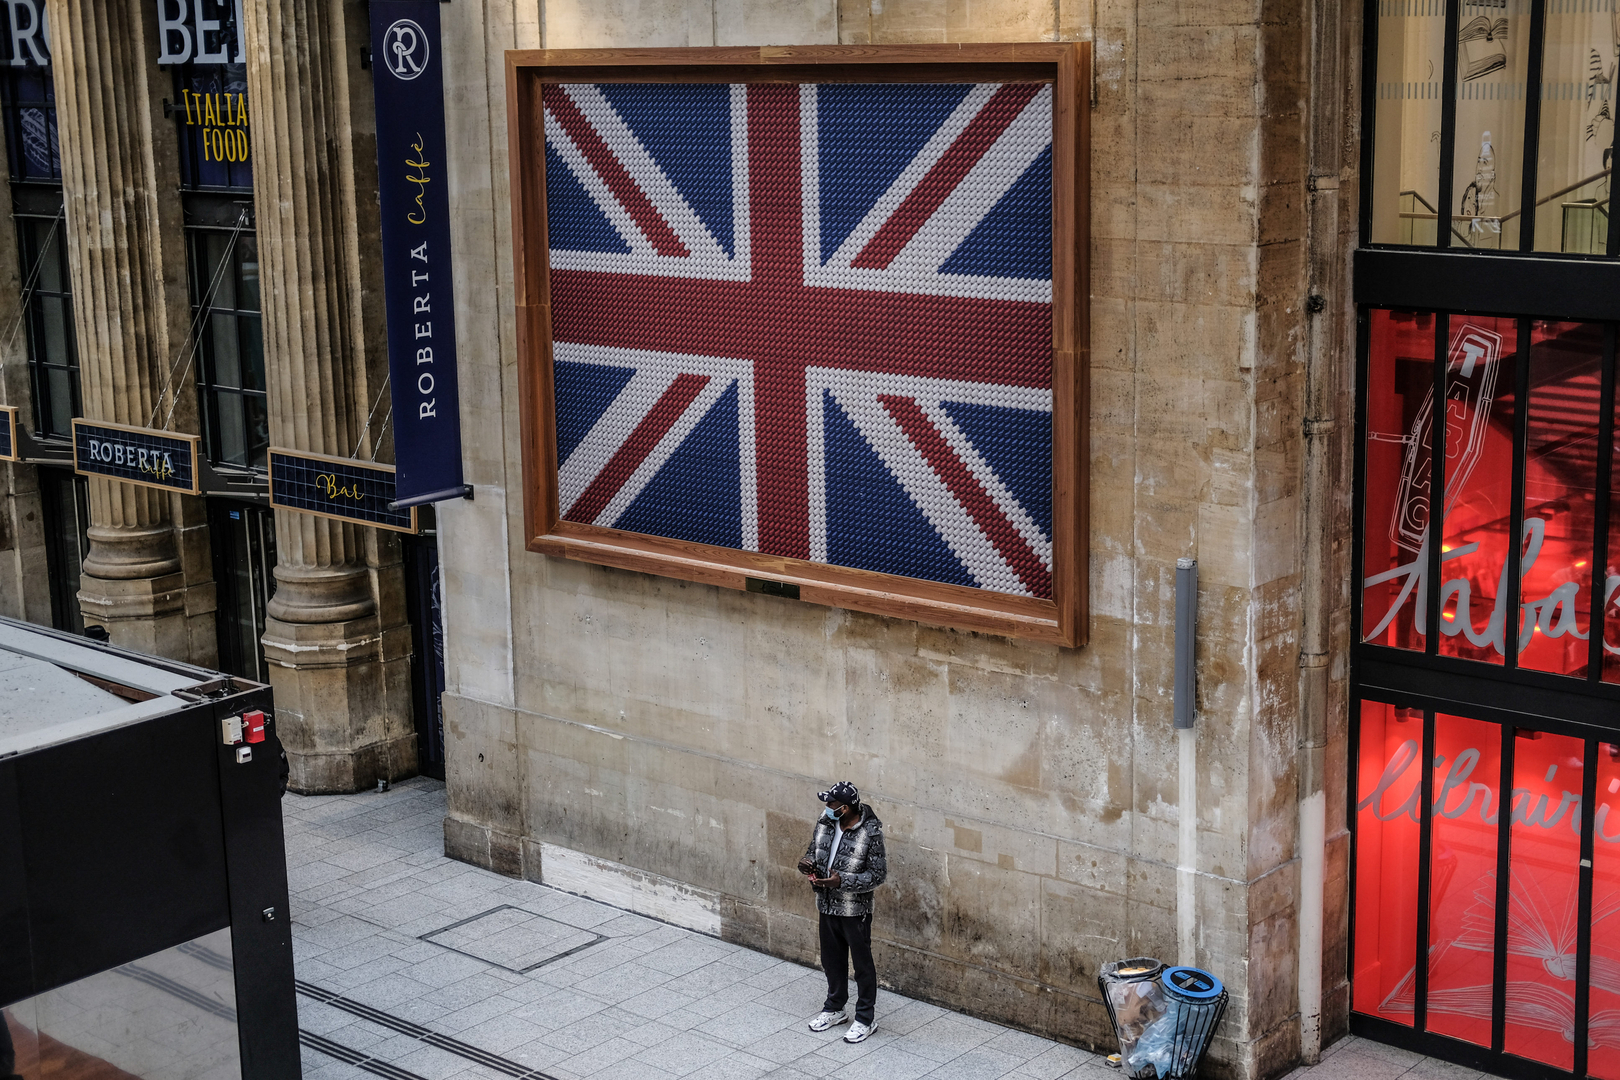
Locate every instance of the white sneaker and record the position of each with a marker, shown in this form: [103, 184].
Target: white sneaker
[829, 1019]
[860, 1031]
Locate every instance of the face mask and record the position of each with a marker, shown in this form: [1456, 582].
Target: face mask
[829, 815]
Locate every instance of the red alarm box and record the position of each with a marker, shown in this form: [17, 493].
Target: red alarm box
[253, 726]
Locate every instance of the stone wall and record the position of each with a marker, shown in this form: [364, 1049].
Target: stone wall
[604, 723]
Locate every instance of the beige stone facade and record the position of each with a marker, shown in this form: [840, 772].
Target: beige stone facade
[661, 741]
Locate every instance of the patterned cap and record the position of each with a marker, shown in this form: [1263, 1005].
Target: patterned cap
[843, 793]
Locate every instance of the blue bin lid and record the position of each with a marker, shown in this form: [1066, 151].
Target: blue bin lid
[1192, 984]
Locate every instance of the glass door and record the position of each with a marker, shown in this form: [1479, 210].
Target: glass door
[66, 505]
[424, 600]
[244, 537]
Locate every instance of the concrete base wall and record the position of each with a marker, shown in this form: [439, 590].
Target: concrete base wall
[665, 740]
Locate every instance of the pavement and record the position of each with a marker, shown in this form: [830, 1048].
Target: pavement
[412, 966]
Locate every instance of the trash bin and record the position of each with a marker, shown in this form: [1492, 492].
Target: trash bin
[1135, 1002]
[1164, 1018]
[1196, 1001]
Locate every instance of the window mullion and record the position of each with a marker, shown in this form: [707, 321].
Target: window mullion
[1504, 837]
[1437, 484]
[1420, 972]
[1513, 613]
[1448, 126]
[1601, 509]
[1532, 126]
[1583, 920]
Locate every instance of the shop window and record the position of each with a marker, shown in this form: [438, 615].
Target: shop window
[1504, 954]
[1560, 496]
[1476, 519]
[1406, 121]
[1576, 137]
[1523, 438]
[1542, 897]
[1505, 148]
[1611, 565]
[215, 152]
[216, 175]
[1387, 821]
[48, 308]
[225, 291]
[1462, 876]
[32, 143]
[34, 158]
[1603, 1025]
[1400, 387]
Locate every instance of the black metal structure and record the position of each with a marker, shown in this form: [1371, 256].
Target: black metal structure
[145, 834]
[1448, 280]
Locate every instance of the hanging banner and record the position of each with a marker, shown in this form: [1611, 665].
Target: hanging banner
[9, 450]
[160, 459]
[417, 280]
[360, 491]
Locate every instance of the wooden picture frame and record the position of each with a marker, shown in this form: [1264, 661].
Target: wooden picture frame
[1067, 66]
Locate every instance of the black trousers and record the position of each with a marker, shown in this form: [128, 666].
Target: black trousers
[845, 938]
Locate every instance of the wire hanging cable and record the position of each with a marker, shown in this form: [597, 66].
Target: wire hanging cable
[33, 277]
[372, 416]
[194, 338]
[382, 433]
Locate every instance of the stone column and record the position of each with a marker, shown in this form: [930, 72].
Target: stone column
[335, 637]
[133, 582]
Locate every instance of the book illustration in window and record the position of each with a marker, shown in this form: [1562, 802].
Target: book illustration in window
[1472, 368]
[1479, 198]
[1599, 83]
[1481, 47]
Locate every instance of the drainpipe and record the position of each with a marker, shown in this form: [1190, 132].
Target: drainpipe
[1326, 257]
[1186, 708]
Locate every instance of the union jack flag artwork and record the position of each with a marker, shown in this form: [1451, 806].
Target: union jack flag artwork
[810, 320]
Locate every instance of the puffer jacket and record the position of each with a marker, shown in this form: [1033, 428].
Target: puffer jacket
[861, 864]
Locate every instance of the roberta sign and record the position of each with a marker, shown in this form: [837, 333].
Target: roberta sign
[160, 459]
[200, 32]
[417, 271]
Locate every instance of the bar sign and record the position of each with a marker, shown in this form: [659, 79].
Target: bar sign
[160, 459]
[9, 451]
[343, 488]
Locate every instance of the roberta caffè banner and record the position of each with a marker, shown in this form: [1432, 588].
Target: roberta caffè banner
[409, 81]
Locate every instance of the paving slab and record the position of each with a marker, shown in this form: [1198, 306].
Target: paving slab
[422, 968]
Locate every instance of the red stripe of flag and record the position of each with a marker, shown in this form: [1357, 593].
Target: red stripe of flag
[970, 493]
[613, 174]
[980, 134]
[629, 456]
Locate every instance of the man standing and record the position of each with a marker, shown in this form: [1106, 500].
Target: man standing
[844, 863]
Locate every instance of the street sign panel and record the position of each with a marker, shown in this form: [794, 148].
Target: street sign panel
[343, 488]
[135, 455]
